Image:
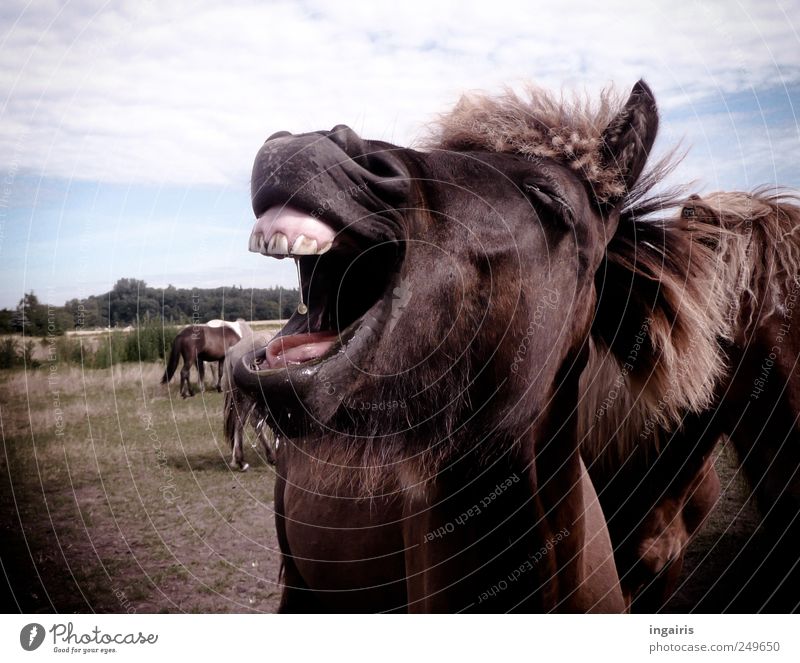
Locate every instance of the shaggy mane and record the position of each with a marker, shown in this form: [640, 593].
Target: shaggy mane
[661, 316]
[759, 254]
[537, 124]
[725, 261]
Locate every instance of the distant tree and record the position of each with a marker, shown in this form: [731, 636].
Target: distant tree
[21, 318]
[6, 318]
[31, 316]
[132, 302]
[129, 286]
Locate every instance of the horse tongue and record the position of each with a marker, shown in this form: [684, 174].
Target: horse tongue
[284, 351]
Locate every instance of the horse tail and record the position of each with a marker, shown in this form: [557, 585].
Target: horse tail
[172, 364]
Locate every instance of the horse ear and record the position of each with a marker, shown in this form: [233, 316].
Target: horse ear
[628, 138]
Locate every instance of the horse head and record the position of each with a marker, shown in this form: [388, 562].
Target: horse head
[444, 279]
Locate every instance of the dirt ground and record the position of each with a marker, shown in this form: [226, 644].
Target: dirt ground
[116, 496]
[132, 506]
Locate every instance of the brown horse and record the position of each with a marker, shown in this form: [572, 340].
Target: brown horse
[425, 389]
[197, 344]
[240, 410]
[657, 484]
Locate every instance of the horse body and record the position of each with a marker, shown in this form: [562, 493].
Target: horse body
[195, 345]
[462, 283]
[759, 398]
[657, 496]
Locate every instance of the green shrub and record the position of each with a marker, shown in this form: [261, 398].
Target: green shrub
[8, 352]
[27, 355]
[149, 342]
[68, 350]
[111, 350]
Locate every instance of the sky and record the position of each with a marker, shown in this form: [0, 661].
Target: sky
[128, 129]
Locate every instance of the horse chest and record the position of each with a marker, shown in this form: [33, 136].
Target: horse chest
[347, 550]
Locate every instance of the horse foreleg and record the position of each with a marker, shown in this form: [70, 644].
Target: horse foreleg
[237, 459]
[201, 371]
[186, 387]
[219, 374]
[665, 534]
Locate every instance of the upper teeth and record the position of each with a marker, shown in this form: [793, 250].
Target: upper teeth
[256, 243]
[284, 231]
[278, 245]
[304, 246]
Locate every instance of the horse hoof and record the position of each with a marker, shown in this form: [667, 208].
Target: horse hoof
[245, 467]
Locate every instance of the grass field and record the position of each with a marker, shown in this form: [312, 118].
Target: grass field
[116, 496]
[91, 339]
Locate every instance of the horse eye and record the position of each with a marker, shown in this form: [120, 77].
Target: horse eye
[687, 212]
[549, 199]
[541, 195]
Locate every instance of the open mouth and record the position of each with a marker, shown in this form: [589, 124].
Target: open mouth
[342, 277]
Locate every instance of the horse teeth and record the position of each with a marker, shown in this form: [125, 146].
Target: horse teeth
[256, 243]
[304, 246]
[278, 245]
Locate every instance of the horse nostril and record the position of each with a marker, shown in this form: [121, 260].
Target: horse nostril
[386, 174]
[347, 140]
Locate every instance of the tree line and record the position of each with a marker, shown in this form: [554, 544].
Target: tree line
[133, 302]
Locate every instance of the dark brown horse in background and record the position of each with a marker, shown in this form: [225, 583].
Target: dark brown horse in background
[657, 483]
[197, 344]
[465, 282]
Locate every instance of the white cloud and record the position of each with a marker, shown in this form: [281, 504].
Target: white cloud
[186, 94]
